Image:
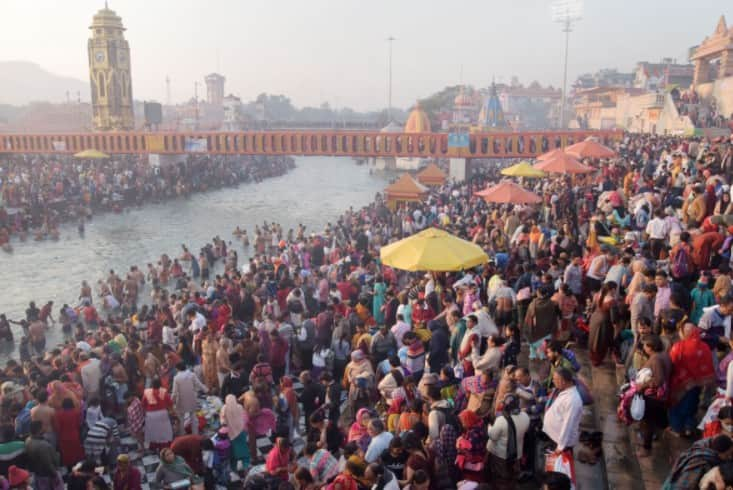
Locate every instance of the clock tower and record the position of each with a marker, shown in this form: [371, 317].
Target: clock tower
[109, 73]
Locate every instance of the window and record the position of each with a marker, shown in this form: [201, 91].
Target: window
[100, 83]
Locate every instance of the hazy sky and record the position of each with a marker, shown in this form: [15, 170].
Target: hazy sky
[335, 50]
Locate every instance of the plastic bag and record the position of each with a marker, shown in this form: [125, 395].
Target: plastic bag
[638, 406]
[562, 463]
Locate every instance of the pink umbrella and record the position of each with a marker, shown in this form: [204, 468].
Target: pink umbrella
[508, 192]
[562, 163]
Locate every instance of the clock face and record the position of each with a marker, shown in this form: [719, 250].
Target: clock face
[99, 56]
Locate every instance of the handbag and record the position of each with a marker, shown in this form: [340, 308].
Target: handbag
[638, 406]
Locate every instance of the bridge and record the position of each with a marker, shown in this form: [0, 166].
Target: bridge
[360, 144]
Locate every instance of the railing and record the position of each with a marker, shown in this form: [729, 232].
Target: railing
[328, 143]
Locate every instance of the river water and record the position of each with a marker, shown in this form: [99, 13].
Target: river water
[318, 190]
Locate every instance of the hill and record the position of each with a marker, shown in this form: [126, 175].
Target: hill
[23, 82]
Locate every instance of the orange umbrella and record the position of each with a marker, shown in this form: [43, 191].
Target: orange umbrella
[563, 164]
[590, 148]
[508, 192]
[550, 154]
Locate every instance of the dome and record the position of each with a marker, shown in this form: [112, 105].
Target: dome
[392, 127]
[106, 18]
[462, 99]
[418, 121]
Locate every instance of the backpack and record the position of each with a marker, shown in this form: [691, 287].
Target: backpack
[681, 264]
[570, 356]
[23, 422]
[450, 418]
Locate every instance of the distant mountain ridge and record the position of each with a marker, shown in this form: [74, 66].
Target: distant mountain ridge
[22, 82]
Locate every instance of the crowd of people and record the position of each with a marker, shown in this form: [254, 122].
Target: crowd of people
[366, 376]
[37, 193]
[701, 114]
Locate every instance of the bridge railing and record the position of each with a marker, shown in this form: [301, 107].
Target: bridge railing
[328, 143]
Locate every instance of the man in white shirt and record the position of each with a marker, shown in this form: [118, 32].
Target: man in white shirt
[562, 416]
[198, 321]
[657, 229]
[399, 329]
[186, 387]
[380, 440]
[499, 443]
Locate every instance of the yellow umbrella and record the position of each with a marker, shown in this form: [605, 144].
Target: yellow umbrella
[432, 250]
[91, 153]
[523, 169]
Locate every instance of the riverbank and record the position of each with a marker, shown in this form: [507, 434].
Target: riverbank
[38, 195]
[317, 191]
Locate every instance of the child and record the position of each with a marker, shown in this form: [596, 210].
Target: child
[221, 456]
[512, 346]
[93, 413]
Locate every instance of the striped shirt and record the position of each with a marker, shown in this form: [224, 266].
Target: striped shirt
[323, 466]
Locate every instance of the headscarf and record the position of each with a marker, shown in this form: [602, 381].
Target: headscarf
[358, 429]
[469, 419]
[180, 467]
[357, 356]
[692, 365]
[233, 415]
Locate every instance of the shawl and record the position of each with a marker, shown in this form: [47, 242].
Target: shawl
[474, 384]
[358, 429]
[233, 415]
[276, 459]
[180, 467]
[692, 465]
[692, 365]
[469, 419]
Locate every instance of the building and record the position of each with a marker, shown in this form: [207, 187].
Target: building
[596, 108]
[530, 107]
[464, 110]
[233, 114]
[657, 76]
[214, 89]
[417, 122]
[713, 58]
[109, 73]
[491, 117]
[606, 77]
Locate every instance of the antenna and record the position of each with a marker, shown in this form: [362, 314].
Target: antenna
[389, 97]
[566, 12]
[167, 90]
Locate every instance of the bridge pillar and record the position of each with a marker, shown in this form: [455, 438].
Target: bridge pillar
[159, 160]
[459, 169]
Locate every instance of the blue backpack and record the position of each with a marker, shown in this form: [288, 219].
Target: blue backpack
[570, 356]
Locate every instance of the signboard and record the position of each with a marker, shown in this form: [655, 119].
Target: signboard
[155, 142]
[154, 160]
[59, 145]
[458, 140]
[196, 145]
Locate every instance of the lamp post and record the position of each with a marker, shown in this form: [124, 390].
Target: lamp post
[566, 12]
[389, 96]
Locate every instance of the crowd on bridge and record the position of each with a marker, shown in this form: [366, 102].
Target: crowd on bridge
[314, 365]
[38, 193]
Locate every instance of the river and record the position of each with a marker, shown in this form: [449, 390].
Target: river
[318, 190]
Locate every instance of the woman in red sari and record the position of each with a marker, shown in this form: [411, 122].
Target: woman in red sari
[67, 422]
[602, 323]
[157, 404]
[692, 370]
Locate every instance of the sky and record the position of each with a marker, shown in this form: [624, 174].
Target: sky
[336, 51]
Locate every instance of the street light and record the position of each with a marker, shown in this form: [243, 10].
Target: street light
[389, 97]
[566, 12]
